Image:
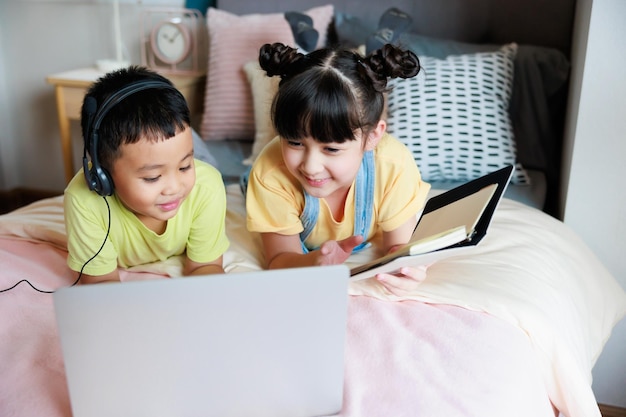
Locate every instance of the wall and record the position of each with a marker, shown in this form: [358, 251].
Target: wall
[595, 156]
[5, 126]
[39, 38]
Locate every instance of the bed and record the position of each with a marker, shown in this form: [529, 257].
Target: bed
[512, 327]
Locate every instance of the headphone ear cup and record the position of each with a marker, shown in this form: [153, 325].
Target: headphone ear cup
[103, 181]
[89, 176]
[97, 178]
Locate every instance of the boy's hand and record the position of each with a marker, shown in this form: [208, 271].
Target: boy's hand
[335, 252]
[404, 281]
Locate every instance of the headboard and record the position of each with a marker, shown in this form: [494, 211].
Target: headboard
[536, 106]
[536, 22]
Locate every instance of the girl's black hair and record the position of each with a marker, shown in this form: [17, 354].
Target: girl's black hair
[152, 114]
[330, 93]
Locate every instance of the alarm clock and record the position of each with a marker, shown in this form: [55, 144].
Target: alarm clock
[170, 41]
[171, 38]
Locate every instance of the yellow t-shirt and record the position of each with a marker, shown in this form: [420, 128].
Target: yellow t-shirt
[274, 199]
[198, 228]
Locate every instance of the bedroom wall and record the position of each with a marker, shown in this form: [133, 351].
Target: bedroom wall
[594, 204]
[43, 37]
[4, 106]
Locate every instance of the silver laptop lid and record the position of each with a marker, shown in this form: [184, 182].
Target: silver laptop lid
[267, 343]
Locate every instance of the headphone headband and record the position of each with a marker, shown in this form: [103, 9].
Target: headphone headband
[97, 178]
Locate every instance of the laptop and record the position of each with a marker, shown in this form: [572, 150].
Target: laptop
[253, 344]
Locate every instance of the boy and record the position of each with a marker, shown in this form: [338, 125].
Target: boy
[162, 202]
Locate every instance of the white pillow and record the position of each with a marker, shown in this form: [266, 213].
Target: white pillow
[454, 118]
[263, 89]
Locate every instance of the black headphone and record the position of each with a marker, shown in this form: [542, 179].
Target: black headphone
[98, 179]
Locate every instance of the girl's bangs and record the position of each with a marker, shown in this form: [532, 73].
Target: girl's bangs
[323, 110]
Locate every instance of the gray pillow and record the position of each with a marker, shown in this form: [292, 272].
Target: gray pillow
[350, 31]
[201, 151]
[441, 48]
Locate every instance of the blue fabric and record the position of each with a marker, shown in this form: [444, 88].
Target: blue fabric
[243, 181]
[201, 5]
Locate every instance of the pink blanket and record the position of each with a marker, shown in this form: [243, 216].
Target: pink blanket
[402, 358]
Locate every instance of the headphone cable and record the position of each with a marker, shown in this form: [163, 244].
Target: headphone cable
[80, 274]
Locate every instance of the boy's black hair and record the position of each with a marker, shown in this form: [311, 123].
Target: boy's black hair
[152, 114]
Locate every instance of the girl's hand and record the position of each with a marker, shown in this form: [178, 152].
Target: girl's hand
[335, 252]
[404, 281]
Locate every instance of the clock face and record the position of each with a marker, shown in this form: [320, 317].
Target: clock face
[171, 42]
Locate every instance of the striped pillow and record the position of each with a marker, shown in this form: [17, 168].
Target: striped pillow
[235, 40]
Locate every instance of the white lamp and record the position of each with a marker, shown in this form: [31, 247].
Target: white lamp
[107, 65]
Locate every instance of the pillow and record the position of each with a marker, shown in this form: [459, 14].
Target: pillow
[233, 41]
[453, 116]
[541, 74]
[200, 150]
[441, 48]
[350, 31]
[264, 89]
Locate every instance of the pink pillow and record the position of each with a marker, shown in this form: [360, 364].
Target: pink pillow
[233, 41]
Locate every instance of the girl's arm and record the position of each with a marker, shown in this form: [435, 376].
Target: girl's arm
[407, 278]
[285, 251]
[196, 268]
[400, 236]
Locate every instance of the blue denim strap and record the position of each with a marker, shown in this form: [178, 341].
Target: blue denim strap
[363, 204]
[243, 180]
[364, 198]
[308, 218]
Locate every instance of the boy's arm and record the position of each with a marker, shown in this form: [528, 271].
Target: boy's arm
[96, 279]
[207, 235]
[196, 268]
[86, 233]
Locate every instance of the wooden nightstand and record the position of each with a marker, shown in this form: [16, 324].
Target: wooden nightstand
[70, 88]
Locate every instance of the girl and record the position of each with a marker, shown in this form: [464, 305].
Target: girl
[333, 178]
